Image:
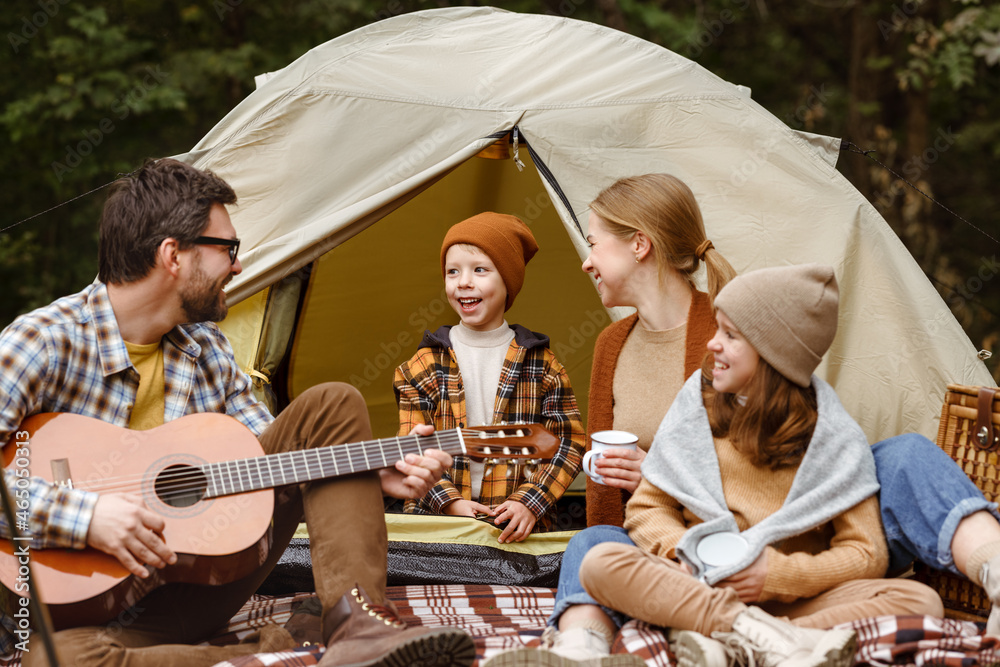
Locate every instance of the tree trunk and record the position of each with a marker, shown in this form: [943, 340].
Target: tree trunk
[915, 163]
[863, 88]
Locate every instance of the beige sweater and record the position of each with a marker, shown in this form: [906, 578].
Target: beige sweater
[852, 546]
[649, 374]
[606, 504]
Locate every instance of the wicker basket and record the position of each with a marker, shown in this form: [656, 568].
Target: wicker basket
[969, 432]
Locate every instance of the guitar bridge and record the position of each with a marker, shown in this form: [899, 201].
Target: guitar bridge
[60, 473]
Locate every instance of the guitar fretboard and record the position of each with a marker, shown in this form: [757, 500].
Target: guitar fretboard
[265, 472]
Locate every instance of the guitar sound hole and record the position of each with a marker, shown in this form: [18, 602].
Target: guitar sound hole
[180, 485]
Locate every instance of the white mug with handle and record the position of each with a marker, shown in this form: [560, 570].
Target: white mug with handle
[603, 440]
[720, 549]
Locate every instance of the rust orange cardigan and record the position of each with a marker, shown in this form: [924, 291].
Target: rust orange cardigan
[605, 504]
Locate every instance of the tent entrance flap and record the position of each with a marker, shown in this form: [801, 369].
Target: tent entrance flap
[371, 298]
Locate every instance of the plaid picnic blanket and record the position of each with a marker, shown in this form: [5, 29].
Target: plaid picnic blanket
[504, 617]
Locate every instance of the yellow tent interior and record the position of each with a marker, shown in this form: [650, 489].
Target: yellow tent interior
[370, 299]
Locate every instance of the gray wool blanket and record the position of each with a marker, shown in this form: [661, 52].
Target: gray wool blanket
[836, 473]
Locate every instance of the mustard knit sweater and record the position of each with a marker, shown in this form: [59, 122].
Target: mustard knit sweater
[851, 546]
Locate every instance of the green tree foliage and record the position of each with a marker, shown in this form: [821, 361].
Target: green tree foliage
[87, 93]
[90, 89]
[915, 81]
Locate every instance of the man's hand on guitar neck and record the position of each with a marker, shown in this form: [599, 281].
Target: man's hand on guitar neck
[414, 477]
[123, 527]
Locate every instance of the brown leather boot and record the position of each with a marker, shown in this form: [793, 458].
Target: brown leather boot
[305, 624]
[361, 634]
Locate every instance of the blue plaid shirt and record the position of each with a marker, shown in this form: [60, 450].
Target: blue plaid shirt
[70, 357]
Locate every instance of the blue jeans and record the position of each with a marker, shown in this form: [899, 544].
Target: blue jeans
[924, 495]
[570, 590]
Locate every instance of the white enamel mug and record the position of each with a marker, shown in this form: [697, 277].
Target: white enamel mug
[606, 440]
[720, 549]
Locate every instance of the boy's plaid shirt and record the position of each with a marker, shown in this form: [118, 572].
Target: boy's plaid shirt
[69, 356]
[534, 389]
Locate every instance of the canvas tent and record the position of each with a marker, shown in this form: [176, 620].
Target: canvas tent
[355, 158]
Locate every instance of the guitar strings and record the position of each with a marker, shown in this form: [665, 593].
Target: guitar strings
[198, 477]
[113, 482]
[196, 480]
[311, 466]
[195, 474]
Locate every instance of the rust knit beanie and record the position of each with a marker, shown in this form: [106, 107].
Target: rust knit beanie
[506, 241]
[788, 314]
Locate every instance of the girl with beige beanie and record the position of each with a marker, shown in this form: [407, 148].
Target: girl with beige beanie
[758, 499]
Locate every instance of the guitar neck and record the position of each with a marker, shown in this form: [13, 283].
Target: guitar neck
[265, 472]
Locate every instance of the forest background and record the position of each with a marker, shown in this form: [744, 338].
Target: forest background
[88, 90]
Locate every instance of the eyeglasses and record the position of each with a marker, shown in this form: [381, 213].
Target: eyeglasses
[232, 244]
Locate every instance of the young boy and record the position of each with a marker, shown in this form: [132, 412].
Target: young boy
[484, 372]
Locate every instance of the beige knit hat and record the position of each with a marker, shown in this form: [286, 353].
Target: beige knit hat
[505, 240]
[788, 313]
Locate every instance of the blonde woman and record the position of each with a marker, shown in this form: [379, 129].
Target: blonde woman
[647, 240]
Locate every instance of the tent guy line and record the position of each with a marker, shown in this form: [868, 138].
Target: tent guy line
[60, 205]
[851, 147]
[846, 145]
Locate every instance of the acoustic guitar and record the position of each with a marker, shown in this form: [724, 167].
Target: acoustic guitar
[207, 476]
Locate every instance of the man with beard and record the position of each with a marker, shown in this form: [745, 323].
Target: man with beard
[138, 348]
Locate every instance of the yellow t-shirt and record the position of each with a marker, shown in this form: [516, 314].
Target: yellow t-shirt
[148, 409]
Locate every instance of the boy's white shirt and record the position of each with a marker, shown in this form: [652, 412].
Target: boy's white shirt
[836, 473]
[480, 356]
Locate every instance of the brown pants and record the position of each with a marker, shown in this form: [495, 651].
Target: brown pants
[658, 591]
[347, 537]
